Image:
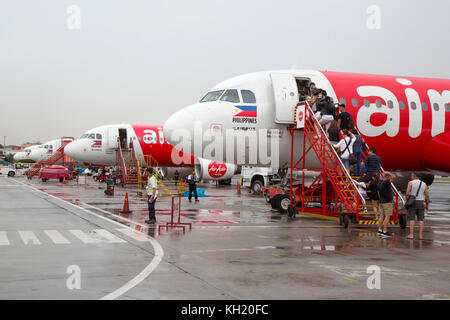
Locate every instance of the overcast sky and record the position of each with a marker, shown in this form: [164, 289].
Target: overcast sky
[139, 61]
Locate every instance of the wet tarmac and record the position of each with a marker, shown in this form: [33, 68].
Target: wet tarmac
[238, 248]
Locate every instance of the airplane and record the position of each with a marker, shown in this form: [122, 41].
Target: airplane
[46, 150]
[24, 156]
[404, 118]
[98, 147]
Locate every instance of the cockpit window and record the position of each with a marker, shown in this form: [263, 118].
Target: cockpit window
[212, 96]
[248, 96]
[98, 136]
[231, 96]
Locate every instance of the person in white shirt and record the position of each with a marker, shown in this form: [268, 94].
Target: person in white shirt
[152, 195]
[346, 147]
[418, 189]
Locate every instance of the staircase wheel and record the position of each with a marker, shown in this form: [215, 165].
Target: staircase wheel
[273, 201]
[291, 212]
[402, 221]
[346, 221]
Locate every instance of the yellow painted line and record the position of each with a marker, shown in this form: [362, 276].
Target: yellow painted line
[318, 216]
[350, 279]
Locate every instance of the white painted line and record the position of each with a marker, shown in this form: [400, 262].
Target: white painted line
[84, 237]
[441, 232]
[111, 238]
[56, 237]
[136, 235]
[29, 236]
[159, 252]
[4, 239]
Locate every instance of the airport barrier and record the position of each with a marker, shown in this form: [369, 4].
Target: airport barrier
[175, 217]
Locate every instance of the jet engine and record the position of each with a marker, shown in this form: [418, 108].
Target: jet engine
[212, 170]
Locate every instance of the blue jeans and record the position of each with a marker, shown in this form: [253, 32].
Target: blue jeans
[357, 165]
[151, 208]
[346, 163]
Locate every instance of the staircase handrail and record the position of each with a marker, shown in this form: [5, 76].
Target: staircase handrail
[319, 126]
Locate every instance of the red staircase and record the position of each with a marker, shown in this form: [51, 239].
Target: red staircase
[58, 155]
[127, 164]
[334, 184]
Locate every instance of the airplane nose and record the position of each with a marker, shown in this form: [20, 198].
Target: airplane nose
[36, 155]
[18, 156]
[180, 124]
[72, 149]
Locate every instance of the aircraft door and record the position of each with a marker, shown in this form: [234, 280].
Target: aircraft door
[113, 135]
[286, 97]
[123, 138]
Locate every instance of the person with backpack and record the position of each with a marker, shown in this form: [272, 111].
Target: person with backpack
[345, 145]
[345, 120]
[417, 199]
[357, 151]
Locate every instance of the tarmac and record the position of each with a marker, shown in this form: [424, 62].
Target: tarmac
[70, 241]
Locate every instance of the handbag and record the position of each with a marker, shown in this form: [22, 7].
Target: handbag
[412, 199]
[351, 157]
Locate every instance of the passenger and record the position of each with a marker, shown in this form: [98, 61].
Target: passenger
[373, 194]
[192, 182]
[344, 119]
[386, 203]
[362, 188]
[152, 195]
[327, 113]
[419, 189]
[312, 88]
[363, 170]
[345, 145]
[358, 152]
[333, 132]
[373, 163]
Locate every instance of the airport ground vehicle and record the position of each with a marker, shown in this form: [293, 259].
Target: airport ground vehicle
[54, 172]
[8, 171]
[256, 178]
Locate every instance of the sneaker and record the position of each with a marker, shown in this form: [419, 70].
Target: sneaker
[386, 234]
[380, 231]
[151, 221]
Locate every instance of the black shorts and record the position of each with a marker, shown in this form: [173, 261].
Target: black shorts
[416, 210]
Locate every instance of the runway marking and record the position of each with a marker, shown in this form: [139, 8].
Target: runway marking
[4, 239]
[56, 237]
[96, 236]
[111, 238]
[29, 236]
[158, 251]
[136, 235]
[350, 279]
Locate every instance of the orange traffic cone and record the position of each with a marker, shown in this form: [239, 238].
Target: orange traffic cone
[126, 206]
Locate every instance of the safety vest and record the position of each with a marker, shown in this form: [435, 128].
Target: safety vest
[149, 187]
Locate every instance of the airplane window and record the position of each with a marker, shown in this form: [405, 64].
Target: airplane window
[402, 105]
[248, 96]
[366, 103]
[212, 96]
[424, 106]
[390, 104]
[98, 136]
[355, 102]
[413, 105]
[436, 106]
[378, 103]
[231, 96]
[447, 107]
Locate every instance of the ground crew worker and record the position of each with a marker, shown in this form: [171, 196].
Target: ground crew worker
[152, 195]
[192, 182]
[176, 176]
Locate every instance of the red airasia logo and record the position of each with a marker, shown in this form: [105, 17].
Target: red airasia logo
[217, 170]
[300, 116]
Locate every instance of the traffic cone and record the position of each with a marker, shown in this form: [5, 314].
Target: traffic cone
[126, 206]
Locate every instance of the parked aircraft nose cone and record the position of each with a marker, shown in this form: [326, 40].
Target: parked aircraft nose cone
[37, 155]
[19, 156]
[73, 149]
[179, 127]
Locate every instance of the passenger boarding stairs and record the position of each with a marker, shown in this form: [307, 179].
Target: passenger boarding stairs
[333, 168]
[128, 167]
[349, 199]
[58, 155]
